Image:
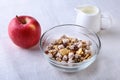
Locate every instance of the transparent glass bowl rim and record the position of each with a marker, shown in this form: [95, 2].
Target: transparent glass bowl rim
[64, 25]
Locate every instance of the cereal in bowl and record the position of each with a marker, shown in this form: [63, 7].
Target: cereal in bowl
[69, 50]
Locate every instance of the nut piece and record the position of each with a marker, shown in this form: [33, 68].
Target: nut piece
[79, 45]
[55, 47]
[50, 55]
[52, 51]
[59, 41]
[46, 51]
[60, 46]
[65, 58]
[72, 47]
[73, 40]
[77, 56]
[79, 51]
[71, 61]
[64, 51]
[58, 59]
[71, 55]
[53, 43]
[83, 42]
[64, 36]
[58, 55]
[88, 47]
[65, 41]
[88, 51]
[87, 55]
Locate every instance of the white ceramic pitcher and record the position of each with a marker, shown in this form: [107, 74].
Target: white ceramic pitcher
[90, 17]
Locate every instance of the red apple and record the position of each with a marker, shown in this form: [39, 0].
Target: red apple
[24, 31]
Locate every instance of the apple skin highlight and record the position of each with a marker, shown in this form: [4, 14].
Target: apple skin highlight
[24, 34]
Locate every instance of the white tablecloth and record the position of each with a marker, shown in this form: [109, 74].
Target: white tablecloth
[29, 64]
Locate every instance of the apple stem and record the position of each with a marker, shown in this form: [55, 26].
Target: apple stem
[20, 20]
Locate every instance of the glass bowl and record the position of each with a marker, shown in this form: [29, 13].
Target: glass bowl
[75, 31]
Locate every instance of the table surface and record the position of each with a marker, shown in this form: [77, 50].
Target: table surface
[29, 64]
